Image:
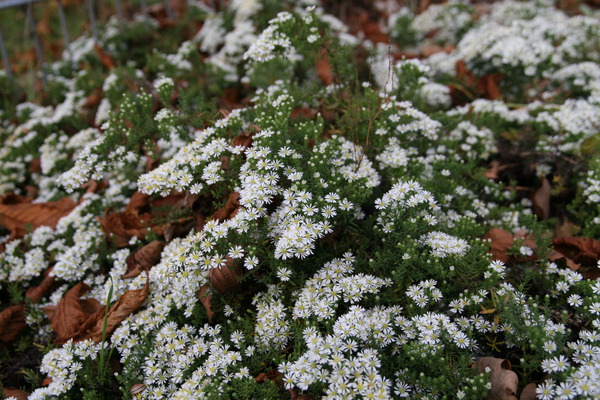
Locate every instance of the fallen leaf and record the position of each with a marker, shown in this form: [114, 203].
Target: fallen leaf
[106, 59]
[230, 208]
[504, 381]
[123, 226]
[16, 393]
[178, 228]
[128, 303]
[135, 220]
[501, 243]
[143, 258]
[35, 293]
[528, 392]
[566, 229]
[71, 313]
[12, 321]
[323, 68]
[94, 98]
[487, 85]
[204, 296]
[541, 199]
[18, 214]
[492, 171]
[582, 254]
[225, 278]
[244, 139]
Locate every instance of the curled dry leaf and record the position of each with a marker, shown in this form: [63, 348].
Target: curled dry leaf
[492, 171]
[71, 313]
[128, 303]
[528, 392]
[123, 226]
[230, 208]
[323, 68]
[225, 278]
[504, 381]
[106, 59]
[487, 85]
[222, 280]
[582, 254]
[16, 393]
[143, 258]
[244, 139]
[502, 241]
[12, 321]
[35, 293]
[541, 199]
[204, 296]
[134, 220]
[18, 214]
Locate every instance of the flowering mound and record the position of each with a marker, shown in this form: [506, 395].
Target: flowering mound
[306, 200]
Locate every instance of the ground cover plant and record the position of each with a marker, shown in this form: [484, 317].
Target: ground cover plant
[301, 199]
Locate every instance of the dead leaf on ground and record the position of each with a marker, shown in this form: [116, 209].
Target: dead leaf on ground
[12, 321]
[528, 392]
[71, 313]
[504, 381]
[225, 278]
[492, 171]
[143, 258]
[230, 208]
[18, 214]
[244, 139]
[128, 303]
[323, 68]
[136, 219]
[541, 199]
[35, 293]
[204, 296]
[566, 229]
[501, 243]
[106, 59]
[581, 253]
[487, 85]
[16, 393]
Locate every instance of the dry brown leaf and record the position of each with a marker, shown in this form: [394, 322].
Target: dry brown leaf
[502, 241]
[225, 278]
[18, 213]
[582, 254]
[204, 296]
[492, 171]
[230, 208]
[528, 392]
[504, 381]
[12, 321]
[244, 139]
[127, 304]
[71, 313]
[566, 229]
[541, 199]
[16, 393]
[123, 226]
[105, 58]
[35, 293]
[487, 85]
[143, 258]
[323, 68]
[133, 221]
[463, 74]
[302, 112]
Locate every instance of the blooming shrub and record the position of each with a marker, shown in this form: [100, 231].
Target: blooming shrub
[272, 204]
